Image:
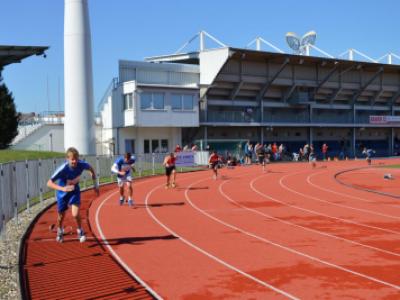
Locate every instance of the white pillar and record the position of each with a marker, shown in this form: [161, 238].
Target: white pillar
[202, 41]
[389, 61]
[258, 44]
[307, 47]
[351, 54]
[79, 130]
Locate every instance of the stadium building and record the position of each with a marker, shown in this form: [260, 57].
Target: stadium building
[226, 96]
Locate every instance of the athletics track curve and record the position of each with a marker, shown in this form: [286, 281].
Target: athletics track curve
[292, 232]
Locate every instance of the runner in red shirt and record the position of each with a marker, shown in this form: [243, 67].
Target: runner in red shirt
[169, 164]
[213, 163]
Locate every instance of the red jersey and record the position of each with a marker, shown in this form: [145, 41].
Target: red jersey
[171, 161]
[214, 158]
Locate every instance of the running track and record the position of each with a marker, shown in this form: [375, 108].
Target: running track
[292, 232]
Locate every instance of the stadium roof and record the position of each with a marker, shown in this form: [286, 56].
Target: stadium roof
[194, 57]
[14, 54]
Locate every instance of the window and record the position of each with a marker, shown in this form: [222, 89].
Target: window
[128, 103]
[182, 102]
[145, 101]
[155, 146]
[130, 146]
[146, 146]
[187, 102]
[176, 102]
[164, 146]
[158, 101]
[152, 101]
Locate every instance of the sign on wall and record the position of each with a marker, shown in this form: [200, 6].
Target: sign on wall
[184, 159]
[384, 119]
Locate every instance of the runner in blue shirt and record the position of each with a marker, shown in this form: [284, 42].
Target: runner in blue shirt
[66, 181]
[122, 167]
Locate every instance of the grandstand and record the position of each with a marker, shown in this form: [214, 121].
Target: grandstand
[226, 96]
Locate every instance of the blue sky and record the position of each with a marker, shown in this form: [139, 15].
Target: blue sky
[128, 29]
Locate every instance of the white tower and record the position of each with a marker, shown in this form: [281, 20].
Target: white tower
[79, 130]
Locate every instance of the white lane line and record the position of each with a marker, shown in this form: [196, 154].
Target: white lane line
[299, 226]
[224, 263]
[342, 194]
[290, 249]
[325, 215]
[282, 184]
[115, 255]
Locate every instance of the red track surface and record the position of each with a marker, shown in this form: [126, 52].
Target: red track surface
[73, 270]
[293, 232]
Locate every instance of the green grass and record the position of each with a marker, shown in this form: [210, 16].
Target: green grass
[391, 166]
[17, 155]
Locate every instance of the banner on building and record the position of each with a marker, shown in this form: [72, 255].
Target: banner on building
[184, 159]
[384, 119]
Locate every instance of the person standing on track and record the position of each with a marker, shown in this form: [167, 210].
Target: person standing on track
[312, 157]
[122, 167]
[368, 154]
[213, 163]
[260, 151]
[324, 152]
[65, 181]
[170, 169]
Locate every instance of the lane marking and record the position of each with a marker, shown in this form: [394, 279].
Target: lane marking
[300, 226]
[346, 195]
[282, 184]
[322, 214]
[224, 263]
[115, 255]
[289, 249]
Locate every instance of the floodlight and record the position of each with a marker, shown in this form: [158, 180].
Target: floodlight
[293, 41]
[301, 45]
[309, 38]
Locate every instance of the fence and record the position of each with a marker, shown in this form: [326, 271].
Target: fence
[24, 183]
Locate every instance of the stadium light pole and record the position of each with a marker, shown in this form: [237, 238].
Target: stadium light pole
[78, 78]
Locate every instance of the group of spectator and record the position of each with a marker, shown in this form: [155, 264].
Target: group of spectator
[192, 147]
[308, 151]
[271, 152]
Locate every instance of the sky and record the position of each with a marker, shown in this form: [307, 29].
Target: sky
[135, 29]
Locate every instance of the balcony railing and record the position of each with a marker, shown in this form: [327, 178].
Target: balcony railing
[232, 116]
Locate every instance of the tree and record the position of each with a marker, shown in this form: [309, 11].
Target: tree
[9, 117]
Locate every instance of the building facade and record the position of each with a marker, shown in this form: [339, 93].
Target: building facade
[224, 97]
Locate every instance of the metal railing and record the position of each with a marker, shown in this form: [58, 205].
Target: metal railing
[24, 183]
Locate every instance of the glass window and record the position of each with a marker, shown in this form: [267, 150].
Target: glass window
[130, 146]
[164, 146]
[176, 102]
[155, 146]
[128, 101]
[188, 102]
[158, 101]
[145, 101]
[146, 146]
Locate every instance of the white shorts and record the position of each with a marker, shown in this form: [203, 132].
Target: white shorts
[121, 181]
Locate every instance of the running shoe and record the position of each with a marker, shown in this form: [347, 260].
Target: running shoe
[60, 235]
[130, 202]
[81, 235]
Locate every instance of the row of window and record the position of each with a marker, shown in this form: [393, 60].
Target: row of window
[149, 146]
[156, 101]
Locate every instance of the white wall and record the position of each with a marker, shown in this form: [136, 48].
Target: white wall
[41, 140]
[173, 135]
